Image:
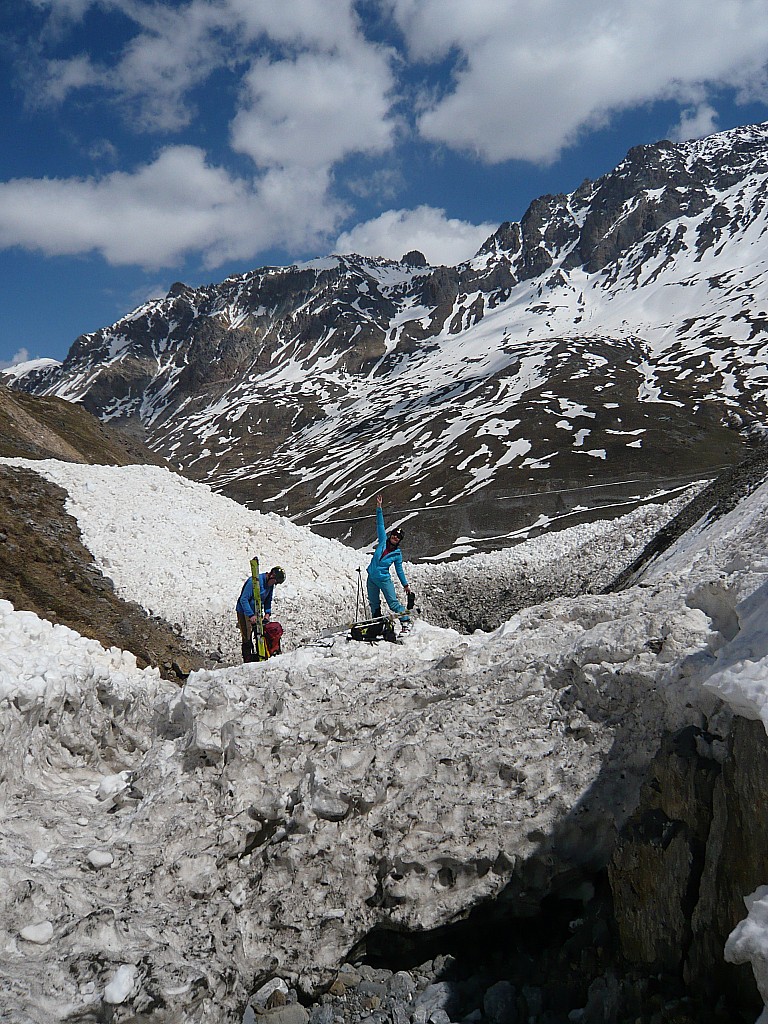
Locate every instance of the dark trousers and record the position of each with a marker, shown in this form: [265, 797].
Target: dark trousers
[246, 632]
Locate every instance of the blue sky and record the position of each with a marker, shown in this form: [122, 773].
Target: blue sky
[151, 142]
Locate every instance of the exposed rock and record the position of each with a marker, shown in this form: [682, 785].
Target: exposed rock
[414, 258]
[45, 568]
[692, 850]
[50, 428]
[656, 869]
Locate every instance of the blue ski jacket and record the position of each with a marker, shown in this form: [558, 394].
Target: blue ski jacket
[245, 602]
[380, 564]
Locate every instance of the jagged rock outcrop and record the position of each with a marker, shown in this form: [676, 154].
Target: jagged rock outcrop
[691, 851]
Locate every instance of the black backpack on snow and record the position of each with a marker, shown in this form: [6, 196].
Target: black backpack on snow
[372, 631]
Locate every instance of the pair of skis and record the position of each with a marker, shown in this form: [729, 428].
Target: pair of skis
[362, 623]
[258, 628]
[343, 627]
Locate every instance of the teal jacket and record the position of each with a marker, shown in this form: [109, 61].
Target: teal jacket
[380, 564]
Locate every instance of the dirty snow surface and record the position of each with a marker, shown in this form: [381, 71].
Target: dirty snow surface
[166, 848]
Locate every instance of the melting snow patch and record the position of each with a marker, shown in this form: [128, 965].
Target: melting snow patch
[39, 934]
[121, 985]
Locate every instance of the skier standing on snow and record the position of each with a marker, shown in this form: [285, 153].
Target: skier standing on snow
[386, 555]
[246, 607]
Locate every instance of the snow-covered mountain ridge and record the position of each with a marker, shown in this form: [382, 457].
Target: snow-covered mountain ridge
[613, 331]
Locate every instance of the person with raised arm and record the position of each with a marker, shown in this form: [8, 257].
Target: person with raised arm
[386, 554]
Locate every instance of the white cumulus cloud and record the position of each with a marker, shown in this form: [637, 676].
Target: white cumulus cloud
[443, 240]
[315, 24]
[535, 74]
[176, 205]
[21, 356]
[308, 90]
[311, 85]
[695, 123]
[314, 110]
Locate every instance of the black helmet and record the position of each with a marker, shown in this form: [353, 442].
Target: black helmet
[278, 573]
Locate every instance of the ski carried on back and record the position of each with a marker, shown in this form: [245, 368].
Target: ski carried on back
[258, 628]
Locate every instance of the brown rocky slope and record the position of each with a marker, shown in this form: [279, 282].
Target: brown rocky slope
[44, 566]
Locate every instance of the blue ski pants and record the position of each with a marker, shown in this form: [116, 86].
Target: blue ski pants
[386, 587]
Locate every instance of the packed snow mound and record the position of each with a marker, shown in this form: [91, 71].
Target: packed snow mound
[282, 810]
[740, 673]
[42, 661]
[748, 942]
[484, 590]
[732, 542]
[182, 551]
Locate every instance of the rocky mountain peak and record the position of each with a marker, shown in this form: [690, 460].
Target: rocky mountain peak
[177, 289]
[612, 330]
[414, 258]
